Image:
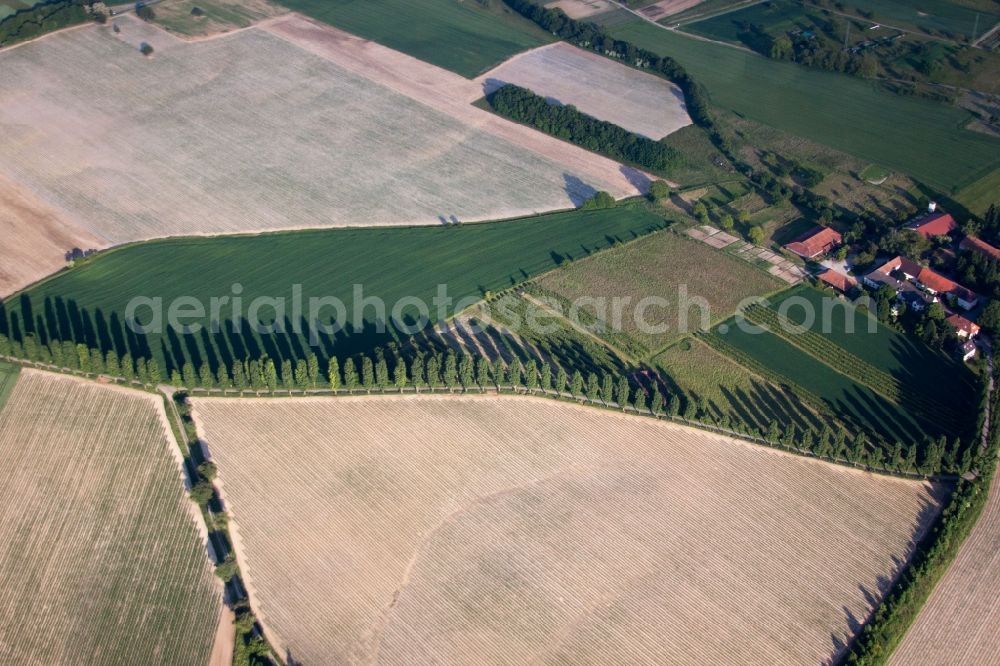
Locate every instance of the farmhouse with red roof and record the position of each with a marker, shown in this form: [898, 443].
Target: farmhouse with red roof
[973, 244]
[816, 241]
[963, 327]
[930, 280]
[839, 281]
[934, 224]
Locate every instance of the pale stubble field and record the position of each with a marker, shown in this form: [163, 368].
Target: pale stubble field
[101, 560]
[452, 529]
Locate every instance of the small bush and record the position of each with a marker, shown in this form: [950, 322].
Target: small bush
[146, 48]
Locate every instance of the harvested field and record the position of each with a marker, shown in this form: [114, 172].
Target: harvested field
[35, 238]
[960, 623]
[101, 558]
[661, 266]
[600, 87]
[581, 9]
[168, 146]
[450, 529]
[665, 8]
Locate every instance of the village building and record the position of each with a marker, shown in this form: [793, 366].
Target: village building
[815, 242]
[974, 244]
[840, 282]
[964, 328]
[927, 279]
[933, 223]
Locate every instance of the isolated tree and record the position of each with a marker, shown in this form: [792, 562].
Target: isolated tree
[208, 470]
[659, 190]
[467, 371]
[239, 375]
[599, 201]
[498, 371]
[188, 374]
[515, 373]
[576, 384]
[146, 49]
[593, 386]
[287, 375]
[640, 399]
[333, 373]
[727, 222]
[756, 235]
[607, 389]
[202, 493]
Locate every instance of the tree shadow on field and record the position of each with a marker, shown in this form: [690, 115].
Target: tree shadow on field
[577, 190]
[636, 178]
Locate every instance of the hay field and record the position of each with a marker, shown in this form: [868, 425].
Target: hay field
[249, 132]
[639, 102]
[960, 623]
[450, 529]
[101, 560]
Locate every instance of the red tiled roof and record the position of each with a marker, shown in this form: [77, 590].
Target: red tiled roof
[838, 280]
[979, 245]
[960, 323]
[901, 263]
[942, 285]
[935, 224]
[814, 242]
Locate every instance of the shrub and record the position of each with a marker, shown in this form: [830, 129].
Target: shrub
[146, 48]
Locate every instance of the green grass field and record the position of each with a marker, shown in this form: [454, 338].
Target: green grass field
[854, 403]
[88, 302]
[695, 371]
[8, 377]
[909, 135]
[980, 195]
[465, 37]
[936, 16]
[658, 266]
[898, 366]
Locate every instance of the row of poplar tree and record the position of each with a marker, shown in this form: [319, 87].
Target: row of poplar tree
[459, 371]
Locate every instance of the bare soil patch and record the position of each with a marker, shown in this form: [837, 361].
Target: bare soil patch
[665, 8]
[581, 9]
[600, 87]
[35, 237]
[457, 529]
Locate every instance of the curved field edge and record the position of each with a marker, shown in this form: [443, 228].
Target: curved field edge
[390, 263]
[100, 543]
[308, 422]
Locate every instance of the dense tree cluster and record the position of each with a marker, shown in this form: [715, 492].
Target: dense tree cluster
[566, 122]
[79, 357]
[593, 37]
[41, 18]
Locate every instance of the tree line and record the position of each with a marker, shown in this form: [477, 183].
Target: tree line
[567, 122]
[459, 371]
[593, 37]
[40, 19]
[884, 631]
